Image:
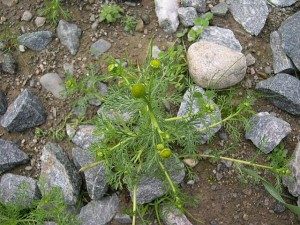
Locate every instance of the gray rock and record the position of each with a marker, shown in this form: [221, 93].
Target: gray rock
[282, 3]
[250, 60]
[167, 14]
[36, 41]
[68, 68]
[251, 14]
[292, 182]
[2, 46]
[53, 83]
[7, 63]
[25, 112]
[221, 36]
[84, 136]
[199, 5]
[103, 89]
[123, 218]
[190, 106]
[114, 115]
[290, 36]
[187, 15]
[3, 103]
[281, 63]
[220, 9]
[11, 156]
[99, 47]
[95, 177]
[267, 131]
[173, 216]
[69, 35]
[284, 90]
[58, 171]
[27, 16]
[215, 66]
[99, 212]
[10, 3]
[151, 186]
[155, 52]
[20, 190]
[40, 21]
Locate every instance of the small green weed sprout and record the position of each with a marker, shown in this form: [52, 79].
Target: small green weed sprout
[54, 11]
[110, 13]
[129, 23]
[9, 38]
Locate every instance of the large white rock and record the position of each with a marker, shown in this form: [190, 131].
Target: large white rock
[215, 66]
[167, 14]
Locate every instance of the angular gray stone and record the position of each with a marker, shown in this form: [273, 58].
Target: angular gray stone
[190, 106]
[167, 14]
[220, 9]
[215, 66]
[151, 186]
[281, 63]
[187, 15]
[53, 83]
[25, 112]
[58, 171]
[95, 177]
[173, 216]
[221, 36]
[251, 14]
[284, 92]
[20, 190]
[99, 212]
[84, 136]
[267, 131]
[99, 47]
[199, 5]
[40, 21]
[7, 63]
[36, 41]
[283, 3]
[69, 35]
[103, 89]
[2, 46]
[290, 36]
[250, 60]
[27, 16]
[292, 182]
[123, 218]
[3, 103]
[11, 156]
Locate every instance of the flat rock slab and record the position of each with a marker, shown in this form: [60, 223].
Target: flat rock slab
[36, 41]
[290, 35]
[267, 131]
[20, 190]
[187, 15]
[152, 187]
[83, 136]
[215, 66]
[58, 171]
[281, 63]
[190, 106]
[69, 35]
[99, 47]
[95, 177]
[53, 83]
[284, 92]
[293, 182]
[7, 63]
[11, 156]
[173, 216]
[251, 14]
[3, 103]
[221, 36]
[167, 14]
[283, 3]
[199, 5]
[99, 212]
[25, 112]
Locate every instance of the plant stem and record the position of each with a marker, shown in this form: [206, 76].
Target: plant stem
[134, 206]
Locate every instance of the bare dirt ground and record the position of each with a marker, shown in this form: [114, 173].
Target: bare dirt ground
[226, 201]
